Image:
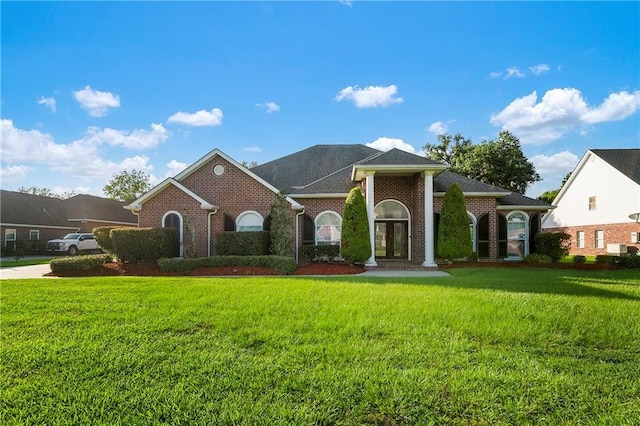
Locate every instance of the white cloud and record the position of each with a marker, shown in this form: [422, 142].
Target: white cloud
[495, 74]
[514, 72]
[370, 96]
[539, 69]
[136, 139]
[386, 144]
[200, 118]
[174, 167]
[95, 101]
[556, 165]
[48, 102]
[14, 173]
[438, 128]
[269, 106]
[252, 149]
[346, 2]
[559, 111]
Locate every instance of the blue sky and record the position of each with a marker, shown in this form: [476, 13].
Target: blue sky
[91, 89]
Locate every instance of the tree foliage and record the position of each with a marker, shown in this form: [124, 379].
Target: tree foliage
[498, 162]
[46, 192]
[127, 185]
[549, 196]
[454, 237]
[356, 246]
[281, 227]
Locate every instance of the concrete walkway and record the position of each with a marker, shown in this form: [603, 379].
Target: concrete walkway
[403, 273]
[20, 272]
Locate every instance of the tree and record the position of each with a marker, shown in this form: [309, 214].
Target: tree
[355, 244]
[454, 237]
[127, 186]
[549, 196]
[46, 192]
[281, 224]
[249, 164]
[498, 162]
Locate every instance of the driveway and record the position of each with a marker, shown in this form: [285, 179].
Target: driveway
[19, 272]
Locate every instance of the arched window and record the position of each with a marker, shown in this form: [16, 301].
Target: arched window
[173, 219]
[249, 221]
[472, 229]
[328, 226]
[517, 235]
[390, 209]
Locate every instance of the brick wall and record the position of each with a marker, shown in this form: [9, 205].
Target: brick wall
[614, 233]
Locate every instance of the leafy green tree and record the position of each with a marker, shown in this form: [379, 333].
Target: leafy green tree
[355, 243]
[549, 196]
[127, 186]
[454, 237]
[498, 162]
[45, 192]
[281, 225]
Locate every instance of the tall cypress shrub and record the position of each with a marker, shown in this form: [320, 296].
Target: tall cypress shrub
[281, 225]
[454, 237]
[356, 247]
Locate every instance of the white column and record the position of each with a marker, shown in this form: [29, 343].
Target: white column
[429, 256]
[372, 231]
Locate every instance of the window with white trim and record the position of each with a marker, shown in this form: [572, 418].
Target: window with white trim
[328, 228]
[517, 238]
[599, 239]
[592, 202]
[34, 234]
[10, 238]
[580, 239]
[472, 229]
[249, 221]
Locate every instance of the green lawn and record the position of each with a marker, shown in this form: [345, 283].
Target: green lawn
[484, 346]
[9, 262]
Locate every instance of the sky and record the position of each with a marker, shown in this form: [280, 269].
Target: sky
[91, 89]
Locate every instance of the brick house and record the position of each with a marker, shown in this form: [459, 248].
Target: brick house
[600, 203]
[403, 192]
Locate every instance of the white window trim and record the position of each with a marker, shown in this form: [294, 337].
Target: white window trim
[474, 232]
[526, 234]
[15, 237]
[580, 240]
[180, 236]
[407, 219]
[315, 228]
[595, 239]
[37, 231]
[245, 213]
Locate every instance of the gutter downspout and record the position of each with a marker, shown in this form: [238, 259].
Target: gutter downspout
[298, 233]
[211, 213]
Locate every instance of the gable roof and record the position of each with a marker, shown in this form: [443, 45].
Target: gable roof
[137, 204]
[626, 161]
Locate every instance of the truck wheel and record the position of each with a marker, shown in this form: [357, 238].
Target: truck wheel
[73, 250]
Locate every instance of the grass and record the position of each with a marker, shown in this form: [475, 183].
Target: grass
[484, 346]
[569, 259]
[24, 261]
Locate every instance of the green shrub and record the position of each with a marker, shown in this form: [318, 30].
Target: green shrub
[149, 244]
[243, 243]
[454, 238]
[354, 237]
[79, 263]
[553, 244]
[102, 235]
[281, 226]
[283, 264]
[24, 247]
[605, 258]
[630, 262]
[579, 259]
[319, 253]
[537, 258]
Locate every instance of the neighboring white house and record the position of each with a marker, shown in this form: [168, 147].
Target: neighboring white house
[599, 206]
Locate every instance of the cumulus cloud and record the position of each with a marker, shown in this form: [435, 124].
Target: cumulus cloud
[136, 139]
[556, 165]
[386, 144]
[48, 102]
[559, 111]
[199, 118]
[95, 101]
[14, 173]
[269, 106]
[539, 69]
[174, 167]
[438, 128]
[370, 96]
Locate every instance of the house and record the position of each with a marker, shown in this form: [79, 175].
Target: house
[403, 192]
[599, 205]
[33, 217]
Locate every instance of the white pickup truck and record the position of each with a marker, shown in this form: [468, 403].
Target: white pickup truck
[73, 244]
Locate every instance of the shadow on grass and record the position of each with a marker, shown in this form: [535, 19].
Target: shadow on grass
[550, 281]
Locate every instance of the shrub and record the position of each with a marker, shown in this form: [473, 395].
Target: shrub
[537, 258]
[606, 259]
[553, 244]
[150, 244]
[630, 262]
[354, 237]
[79, 263]
[243, 243]
[281, 225]
[319, 253]
[24, 247]
[102, 234]
[283, 264]
[579, 259]
[454, 239]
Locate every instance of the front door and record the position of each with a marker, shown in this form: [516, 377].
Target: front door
[391, 239]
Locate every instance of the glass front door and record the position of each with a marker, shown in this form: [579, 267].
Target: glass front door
[391, 239]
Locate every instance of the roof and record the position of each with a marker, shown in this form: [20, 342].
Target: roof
[444, 180]
[627, 161]
[521, 202]
[398, 157]
[89, 207]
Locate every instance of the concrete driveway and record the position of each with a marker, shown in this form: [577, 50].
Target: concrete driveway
[19, 272]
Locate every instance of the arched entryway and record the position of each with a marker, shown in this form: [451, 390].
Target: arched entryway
[392, 230]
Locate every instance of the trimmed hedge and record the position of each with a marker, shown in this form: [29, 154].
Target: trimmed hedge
[629, 262]
[243, 243]
[283, 264]
[79, 263]
[319, 253]
[102, 235]
[150, 244]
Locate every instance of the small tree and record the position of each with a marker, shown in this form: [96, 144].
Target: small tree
[355, 228]
[127, 186]
[454, 238]
[281, 224]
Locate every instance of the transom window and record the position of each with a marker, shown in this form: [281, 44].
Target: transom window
[390, 209]
[328, 227]
[249, 221]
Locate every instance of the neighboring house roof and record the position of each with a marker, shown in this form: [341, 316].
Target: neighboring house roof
[627, 161]
[34, 210]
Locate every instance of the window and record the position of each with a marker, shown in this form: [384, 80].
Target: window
[249, 221]
[580, 239]
[328, 227]
[517, 226]
[483, 236]
[173, 219]
[472, 229]
[592, 203]
[599, 238]
[10, 238]
[34, 234]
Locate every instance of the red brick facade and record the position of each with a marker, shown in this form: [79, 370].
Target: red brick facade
[615, 233]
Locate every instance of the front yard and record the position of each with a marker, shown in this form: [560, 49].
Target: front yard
[484, 346]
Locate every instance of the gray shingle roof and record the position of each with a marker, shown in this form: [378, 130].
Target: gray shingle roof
[444, 180]
[515, 199]
[627, 161]
[89, 207]
[398, 157]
